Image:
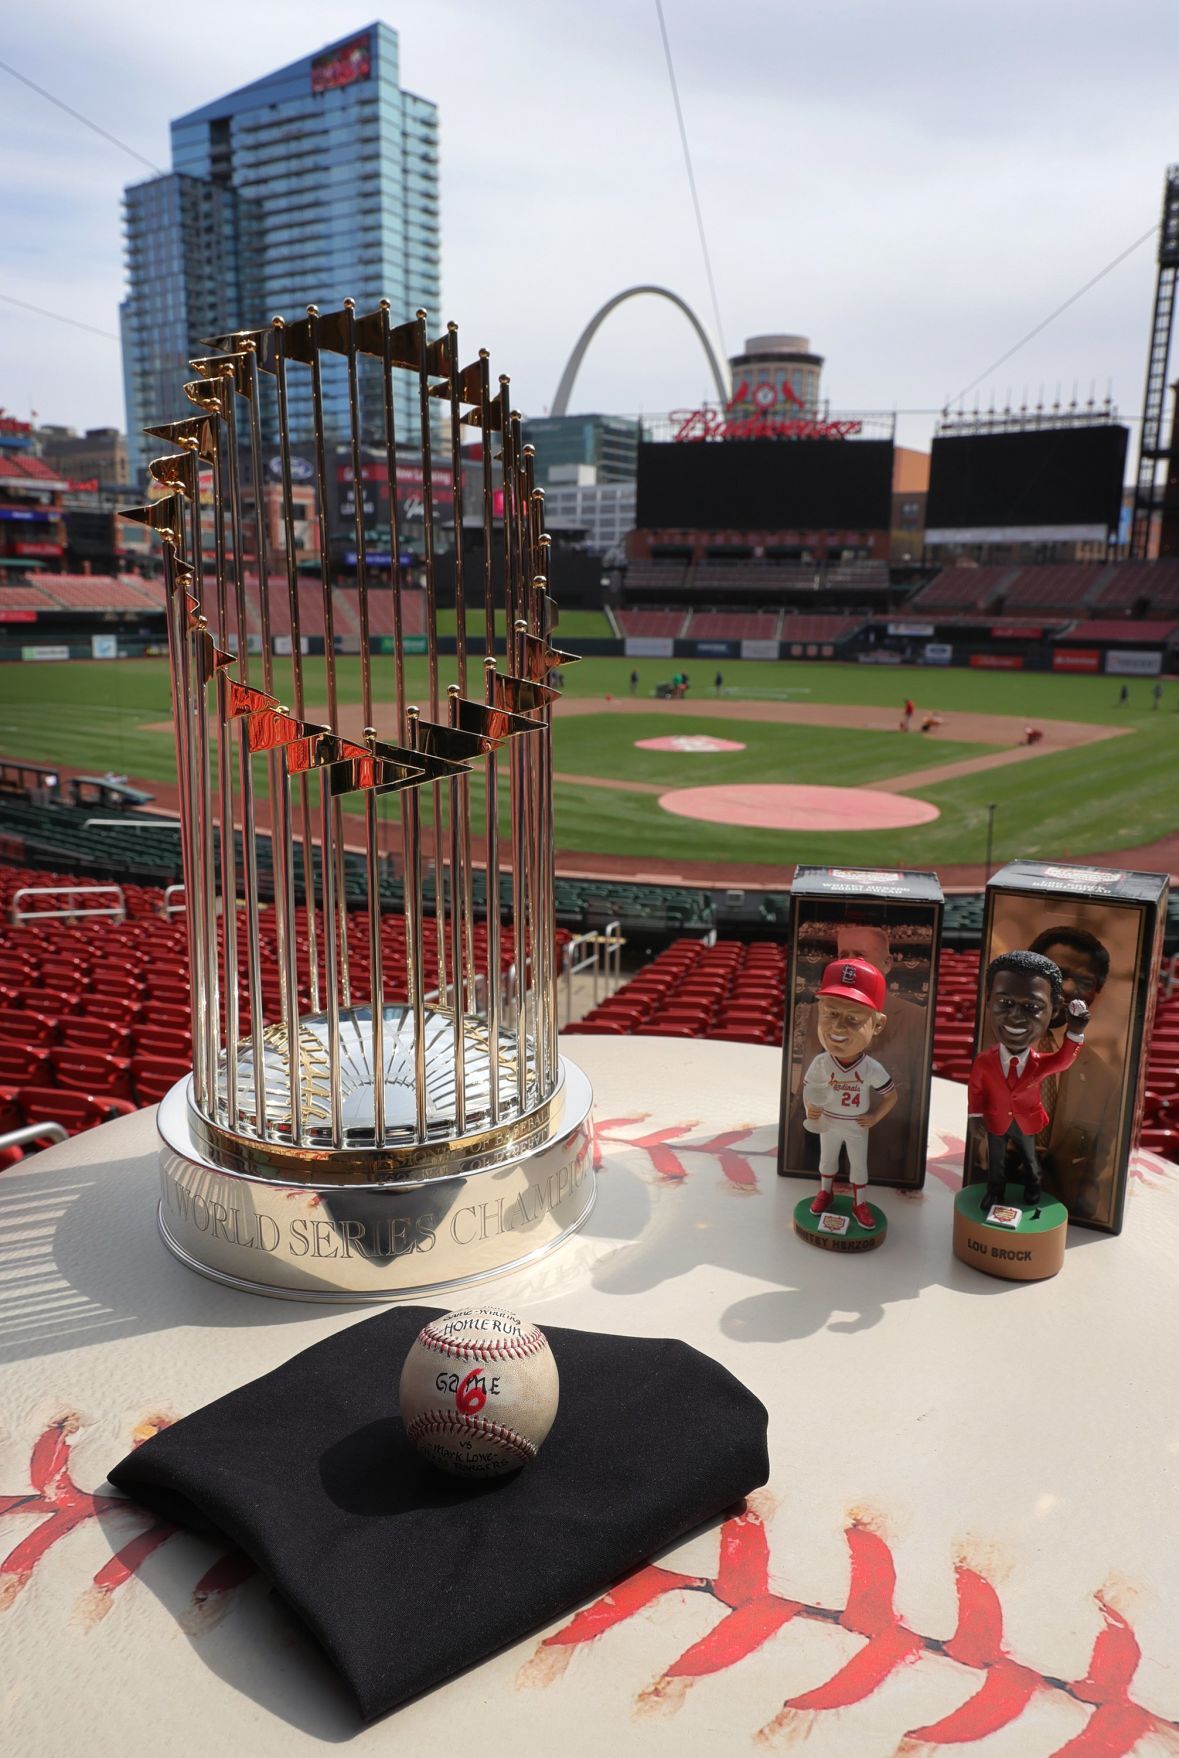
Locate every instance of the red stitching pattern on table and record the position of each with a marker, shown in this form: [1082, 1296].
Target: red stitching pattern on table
[64, 1507]
[517, 1350]
[753, 1614]
[667, 1150]
[449, 1422]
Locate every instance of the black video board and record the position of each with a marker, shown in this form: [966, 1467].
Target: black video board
[1065, 476]
[765, 485]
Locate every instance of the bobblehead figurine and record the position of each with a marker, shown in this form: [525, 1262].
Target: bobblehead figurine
[846, 1092]
[1023, 994]
[1015, 1229]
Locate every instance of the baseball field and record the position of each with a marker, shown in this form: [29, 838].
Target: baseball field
[1103, 780]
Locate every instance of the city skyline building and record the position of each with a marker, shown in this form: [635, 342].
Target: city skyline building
[312, 184]
[609, 444]
[778, 375]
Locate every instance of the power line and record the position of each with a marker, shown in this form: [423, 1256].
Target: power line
[1053, 315]
[76, 323]
[78, 117]
[679, 114]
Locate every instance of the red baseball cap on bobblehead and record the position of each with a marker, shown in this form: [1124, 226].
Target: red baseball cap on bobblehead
[854, 979]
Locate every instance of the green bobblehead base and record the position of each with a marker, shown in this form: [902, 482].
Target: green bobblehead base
[837, 1228]
[1015, 1239]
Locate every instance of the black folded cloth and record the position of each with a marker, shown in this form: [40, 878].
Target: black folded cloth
[407, 1576]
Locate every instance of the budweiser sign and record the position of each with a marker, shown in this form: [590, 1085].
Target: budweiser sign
[743, 417]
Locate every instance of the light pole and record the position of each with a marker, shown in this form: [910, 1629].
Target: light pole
[990, 833]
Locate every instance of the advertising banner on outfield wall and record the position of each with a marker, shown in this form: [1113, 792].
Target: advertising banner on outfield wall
[718, 649]
[759, 650]
[104, 646]
[910, 628]
[44, 652]
[937, 653]
[1135, 664]
[997, 661]
[1076, 659]
[649, 647]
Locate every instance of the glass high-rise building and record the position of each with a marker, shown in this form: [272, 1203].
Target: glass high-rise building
[313, 184]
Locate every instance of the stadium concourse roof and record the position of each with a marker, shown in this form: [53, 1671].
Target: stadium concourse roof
[27, 470]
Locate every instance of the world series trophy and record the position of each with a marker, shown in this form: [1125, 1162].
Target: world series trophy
[358, 1146]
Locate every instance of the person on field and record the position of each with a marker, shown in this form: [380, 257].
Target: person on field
[634, 682]
[1157, 693]
[1124, 698]
[907, 714]
[718, 683]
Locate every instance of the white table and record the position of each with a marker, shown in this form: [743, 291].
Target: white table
[1012, 1446]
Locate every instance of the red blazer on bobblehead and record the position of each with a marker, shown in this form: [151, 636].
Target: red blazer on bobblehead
[991, 1096]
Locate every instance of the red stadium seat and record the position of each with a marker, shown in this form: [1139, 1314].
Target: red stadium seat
[54, 1002]
[74, 1111]
[24, 1063]
[21, 1027]
[91, 1071]
[153, 1076]
[96, 1034]
[111, 1007]
[161, 1041]
[741, 1035]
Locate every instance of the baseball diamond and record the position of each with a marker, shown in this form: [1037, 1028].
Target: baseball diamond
[1097, 784]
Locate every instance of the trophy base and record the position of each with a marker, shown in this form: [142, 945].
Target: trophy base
[1027, 1246]
[354, 1242]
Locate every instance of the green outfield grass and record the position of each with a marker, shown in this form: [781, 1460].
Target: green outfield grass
[574, 624]
[1110, 795]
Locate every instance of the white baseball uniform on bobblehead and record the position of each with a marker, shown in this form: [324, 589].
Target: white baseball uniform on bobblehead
[838, 1087]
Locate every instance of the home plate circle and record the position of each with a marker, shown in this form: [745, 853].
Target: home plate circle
[691, 742]
[785, 806]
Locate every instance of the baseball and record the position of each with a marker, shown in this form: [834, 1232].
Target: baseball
[479, 1392]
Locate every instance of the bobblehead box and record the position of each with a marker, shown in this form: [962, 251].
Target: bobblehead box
[893, 920]
[1104, 930]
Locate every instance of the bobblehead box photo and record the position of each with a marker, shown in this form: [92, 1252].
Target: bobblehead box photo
[1103, 930]
[892, 921]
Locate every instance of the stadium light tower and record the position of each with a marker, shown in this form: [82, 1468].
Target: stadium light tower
[1151, 445]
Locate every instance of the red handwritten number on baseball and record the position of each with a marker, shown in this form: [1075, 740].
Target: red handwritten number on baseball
[472, 1394]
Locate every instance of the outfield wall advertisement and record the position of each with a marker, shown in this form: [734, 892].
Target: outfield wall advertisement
[759, 650]
[649, 647]
[1077, 659]
[1134, 664]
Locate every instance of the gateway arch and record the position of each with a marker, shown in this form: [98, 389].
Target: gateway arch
[720, 376]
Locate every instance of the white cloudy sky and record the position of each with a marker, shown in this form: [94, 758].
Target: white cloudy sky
[913, 185]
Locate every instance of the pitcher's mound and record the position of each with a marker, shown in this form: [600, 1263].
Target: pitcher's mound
[789, 807]
[691, 742]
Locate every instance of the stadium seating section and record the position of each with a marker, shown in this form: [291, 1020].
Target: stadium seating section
[1155, 584]
[656, 576]
[131, 592]
[93, 592]
[95, 1013]
[1076, 589]
[962, 589]
[734, 625]
[1139, 629]
[807, 627]
[668, 624]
